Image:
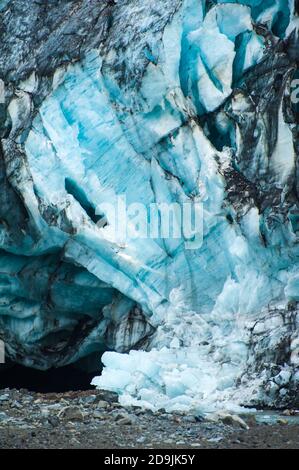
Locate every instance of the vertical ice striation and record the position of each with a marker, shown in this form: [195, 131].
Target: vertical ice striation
[180, 101]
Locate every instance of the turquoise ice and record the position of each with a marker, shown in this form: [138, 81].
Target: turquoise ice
[164, 123]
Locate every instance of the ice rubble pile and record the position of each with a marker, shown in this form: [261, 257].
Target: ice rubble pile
[180, 101]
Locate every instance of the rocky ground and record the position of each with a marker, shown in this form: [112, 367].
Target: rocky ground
[94, 419]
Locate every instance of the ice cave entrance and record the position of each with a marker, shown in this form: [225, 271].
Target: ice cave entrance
[62, 379]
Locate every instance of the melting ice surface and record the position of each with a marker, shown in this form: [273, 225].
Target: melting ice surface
[97, 137]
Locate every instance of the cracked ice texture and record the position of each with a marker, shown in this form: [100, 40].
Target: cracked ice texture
[169, 101]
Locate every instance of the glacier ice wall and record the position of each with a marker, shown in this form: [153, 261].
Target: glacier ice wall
[160, 101]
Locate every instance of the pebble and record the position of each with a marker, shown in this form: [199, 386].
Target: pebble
[168, 441]
[54, 406]
[16, 404]
[89, 399]
[229, 419]
[71, 413]
[289, 413]
[102, 404]
[125, 421]
[116, 405]
[282, 422]
[120, 416]
[251, 420]
[4, 397]
[3, 417]
[215, 439]
[74, 441]
[190, 419]
[54, 421]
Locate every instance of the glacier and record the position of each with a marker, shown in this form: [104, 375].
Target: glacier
[181, 101]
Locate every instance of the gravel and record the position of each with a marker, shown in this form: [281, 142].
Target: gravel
[94, 419]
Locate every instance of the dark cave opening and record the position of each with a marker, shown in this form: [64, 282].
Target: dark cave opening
[62, 379]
